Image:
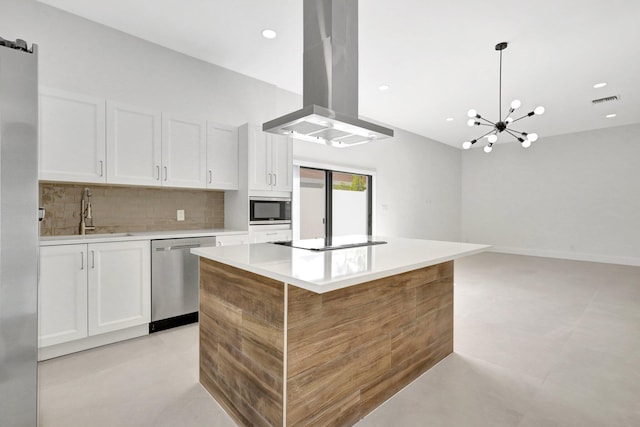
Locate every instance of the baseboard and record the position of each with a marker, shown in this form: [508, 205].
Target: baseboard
[574, 256]
[57, 350]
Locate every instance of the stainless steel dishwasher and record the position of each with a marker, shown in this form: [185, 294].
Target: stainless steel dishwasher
[175, 279]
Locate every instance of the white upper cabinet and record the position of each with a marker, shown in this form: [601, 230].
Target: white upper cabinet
[282, 162]
[133, 145]
[222, 157]
[184, 151]
[259, 160]
[270, 161]
[91, 140]
[72, 137]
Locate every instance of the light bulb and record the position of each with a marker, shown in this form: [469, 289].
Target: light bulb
[509, 120]
[493, 138]
[515, 104]
[532, 137]
[488, 148]
[472, 113]
[526, 143]
[269, 33]
[539, 110]
[466, 145]
[471, 122]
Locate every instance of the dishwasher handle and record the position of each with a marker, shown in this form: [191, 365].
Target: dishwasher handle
[178, 247]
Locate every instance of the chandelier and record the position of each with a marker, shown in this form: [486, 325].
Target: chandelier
[502, 125]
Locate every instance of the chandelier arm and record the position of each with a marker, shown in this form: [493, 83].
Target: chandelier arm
[511, 133]
[511, 110]
[480, 137]
[520, 118]
[485, 124]
[488, 121]
[516, 131]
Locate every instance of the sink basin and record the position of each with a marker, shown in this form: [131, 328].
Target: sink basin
[86, 236]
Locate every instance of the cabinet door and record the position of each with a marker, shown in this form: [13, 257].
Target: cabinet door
[270, 236]
[119, 285]
[62, 294]
[282, 163]
[72, 137]
[133, 145]
[184, 152]
[260, 177]
[232, 240]
[222, 157]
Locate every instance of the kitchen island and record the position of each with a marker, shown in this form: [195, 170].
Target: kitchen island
[291, 336]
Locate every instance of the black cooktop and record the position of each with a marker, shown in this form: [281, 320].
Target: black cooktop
[332, 243]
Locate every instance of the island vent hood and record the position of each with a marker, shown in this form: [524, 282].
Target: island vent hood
[330, 80]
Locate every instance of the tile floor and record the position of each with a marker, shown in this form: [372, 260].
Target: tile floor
[538, 343]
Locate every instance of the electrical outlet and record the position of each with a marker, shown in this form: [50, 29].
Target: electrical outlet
[180, 214]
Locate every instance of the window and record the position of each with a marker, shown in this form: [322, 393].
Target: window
[334, 203]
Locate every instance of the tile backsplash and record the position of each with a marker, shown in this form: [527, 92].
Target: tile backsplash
[126, 209]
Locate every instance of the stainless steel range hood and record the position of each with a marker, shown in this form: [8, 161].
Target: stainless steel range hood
[330, 80]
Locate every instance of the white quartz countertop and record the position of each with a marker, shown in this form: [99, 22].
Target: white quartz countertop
[136, 235]
[324, 271]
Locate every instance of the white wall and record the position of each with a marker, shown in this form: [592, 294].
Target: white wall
[573, 196]
[418, 179]
[79, 55]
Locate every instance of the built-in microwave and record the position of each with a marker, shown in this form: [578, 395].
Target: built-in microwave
[269, 210]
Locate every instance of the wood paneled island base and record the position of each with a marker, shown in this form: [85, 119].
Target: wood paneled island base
[274, 354]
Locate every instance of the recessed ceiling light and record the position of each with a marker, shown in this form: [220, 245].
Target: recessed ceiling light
[383, 87]
[449, 119]
[269, 34]
[599, 85]
[610, 116]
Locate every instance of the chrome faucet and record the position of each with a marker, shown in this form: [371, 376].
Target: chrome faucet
[86, 213]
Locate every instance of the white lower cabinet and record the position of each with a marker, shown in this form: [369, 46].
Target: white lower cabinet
[62, 294]
[270, 236]
[232, 239]
[90, 289]
[119, 285]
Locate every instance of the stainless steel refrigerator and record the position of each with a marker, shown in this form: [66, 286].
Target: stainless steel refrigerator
[18, 233]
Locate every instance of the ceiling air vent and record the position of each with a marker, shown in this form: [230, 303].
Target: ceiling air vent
[605, 99]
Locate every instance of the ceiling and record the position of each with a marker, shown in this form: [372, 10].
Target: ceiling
[437, 57]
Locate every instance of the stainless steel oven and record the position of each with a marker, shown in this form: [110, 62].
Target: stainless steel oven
[269, 210]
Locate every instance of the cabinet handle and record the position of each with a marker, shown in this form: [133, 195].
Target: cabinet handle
[81, 260]
[93, 259]
[101, 168]
[269, 179]
[272, 234]
[210, 176]
[275, 179]
[158, 172]
[165, 173]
